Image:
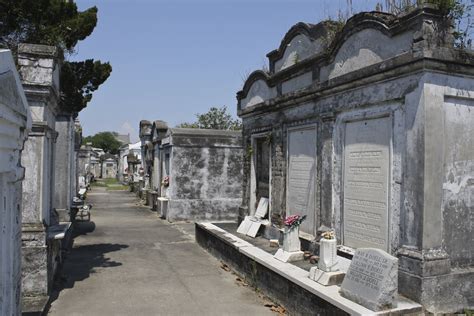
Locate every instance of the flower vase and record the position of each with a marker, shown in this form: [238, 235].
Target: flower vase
[327, 255]
[291, 239]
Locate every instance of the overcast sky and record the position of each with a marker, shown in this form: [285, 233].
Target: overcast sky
[174, 58]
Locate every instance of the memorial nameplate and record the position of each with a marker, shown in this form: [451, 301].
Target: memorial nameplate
[366, 183]
[372, 279]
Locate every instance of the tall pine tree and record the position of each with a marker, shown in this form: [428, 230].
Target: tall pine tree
[56, 23]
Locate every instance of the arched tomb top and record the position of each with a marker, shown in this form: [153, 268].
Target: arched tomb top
[301, 42]
[310, 55]
[256, 90]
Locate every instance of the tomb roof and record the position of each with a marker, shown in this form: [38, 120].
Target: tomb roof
[203, 132]
[313, 57]
[159, 124]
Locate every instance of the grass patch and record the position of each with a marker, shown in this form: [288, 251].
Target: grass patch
[110, 184]
[110, 181]
[98, 184]
[118, 188]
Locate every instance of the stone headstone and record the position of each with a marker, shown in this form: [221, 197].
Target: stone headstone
[262, 208]
[254, 228]
[251, 224]
[244, 226]
[372, 279]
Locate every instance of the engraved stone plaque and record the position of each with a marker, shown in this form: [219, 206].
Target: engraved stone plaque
[366, 183]
[372, 279]
[301, 198]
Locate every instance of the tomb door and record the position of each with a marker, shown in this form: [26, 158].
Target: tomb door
[366, 183]
[301, 178]
[262, 169]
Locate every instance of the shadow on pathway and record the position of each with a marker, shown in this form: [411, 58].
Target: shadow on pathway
[83, 260]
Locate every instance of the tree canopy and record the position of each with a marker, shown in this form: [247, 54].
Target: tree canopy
[79, 80]
[215, 118]
[105, 140]
[56, 23]
[48, 22]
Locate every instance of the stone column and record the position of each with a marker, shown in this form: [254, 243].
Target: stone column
[326, 165]
[83, 164]
[64, 167]
[39, 69]
[77, 147]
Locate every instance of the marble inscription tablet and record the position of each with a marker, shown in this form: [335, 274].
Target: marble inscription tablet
[301, 198]
[366, 183]
[372, 279]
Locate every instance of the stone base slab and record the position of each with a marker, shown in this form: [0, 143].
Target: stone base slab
[326, 278]
[286, 256]
[34, 305]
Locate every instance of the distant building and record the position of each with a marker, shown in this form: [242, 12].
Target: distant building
[123, 169]
[124, 139]
[108, 166]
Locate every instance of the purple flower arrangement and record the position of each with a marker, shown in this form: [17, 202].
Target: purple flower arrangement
[294, 221]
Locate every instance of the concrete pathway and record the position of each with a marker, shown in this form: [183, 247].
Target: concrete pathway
[127, 261]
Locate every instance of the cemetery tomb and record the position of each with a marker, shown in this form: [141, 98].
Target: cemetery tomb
[204, 170]
[388, 164]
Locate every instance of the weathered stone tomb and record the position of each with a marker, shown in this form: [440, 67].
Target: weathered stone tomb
[369, 130]
[192, 174]
[41, 230]
[15, 123]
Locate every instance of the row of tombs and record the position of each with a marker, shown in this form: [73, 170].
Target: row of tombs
[367, 131]
[40, 139]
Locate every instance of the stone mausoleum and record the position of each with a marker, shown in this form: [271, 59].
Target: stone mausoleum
[50, 183]
[15, 124]
[192, 174]
[369, 130]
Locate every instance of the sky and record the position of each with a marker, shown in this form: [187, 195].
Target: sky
[173, 59]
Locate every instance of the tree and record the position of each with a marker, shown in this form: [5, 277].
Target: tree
[215, 118]
[105, 140]
[56, 23]
[79, 80]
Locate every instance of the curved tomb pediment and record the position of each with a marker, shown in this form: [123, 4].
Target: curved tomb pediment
[310, 54]
[300, 43]
[256, 90]
[364, 48]
[299, 48]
